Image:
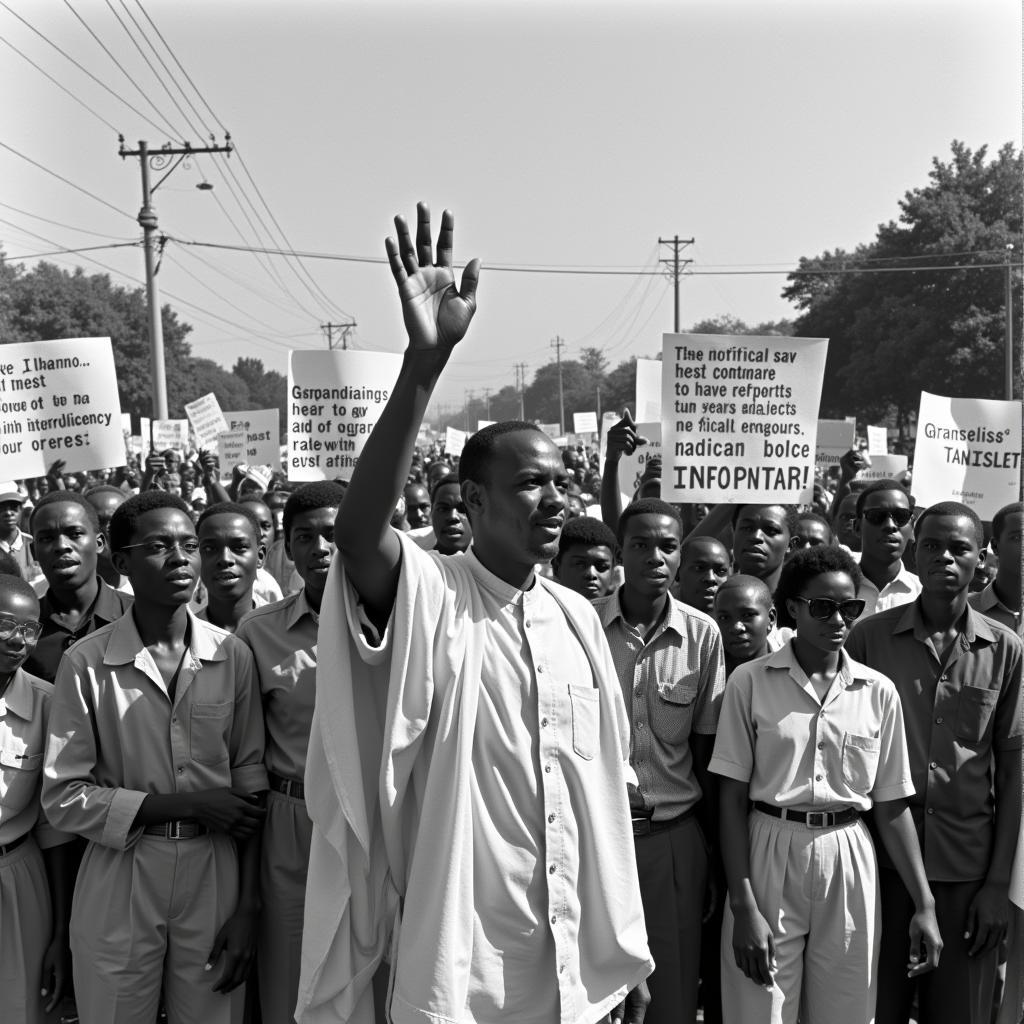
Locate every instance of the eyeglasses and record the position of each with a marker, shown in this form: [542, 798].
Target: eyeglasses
[877, 516]
[823, 608]
[159, 547]
[30, 631]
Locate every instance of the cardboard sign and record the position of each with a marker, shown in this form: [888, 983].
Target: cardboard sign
[584, 422]
[480, 424]
[553, 430]
[262, 430]
[58, 400]
[878, 441]
[631, 467]
[335, 398]
[648, 391]
[967, 450]
[884, 467]
[207, 420]
[230, 451]
[740, 417]
[835, 439]
[170, 434]
[454, 441]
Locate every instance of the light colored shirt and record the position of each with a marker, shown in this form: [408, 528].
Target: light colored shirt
[848, 750]
[282, 638]
[502, 806]
[903, 589]
[987, 602]
[24, 712]
[20, 549]
[116, 736]
[672, 684]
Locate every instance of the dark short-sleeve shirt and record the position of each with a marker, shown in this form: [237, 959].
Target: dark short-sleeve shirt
[957, 714]
[109, 606]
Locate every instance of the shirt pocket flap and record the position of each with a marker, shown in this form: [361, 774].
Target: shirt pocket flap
[212, 710]
[681, 692]
[870, 743]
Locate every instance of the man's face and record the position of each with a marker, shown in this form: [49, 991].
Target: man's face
[760, 540]
[23, 609]
[311, 546]
[574, 507]
[517, 515]
[449, 520]
[809, 533]
[265, 518]
[650, 553]
[881, 539]
[946, 554]
[587, 569]
[66, 544]
[165, 578]
[229, 553]
[106, 504]
[10, 517]
[845, 523]
[417, 506]
[744, 622]
[1008, 545]
[703, 568]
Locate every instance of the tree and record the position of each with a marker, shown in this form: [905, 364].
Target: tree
[232, 392]
[268, 389]
[894, 332]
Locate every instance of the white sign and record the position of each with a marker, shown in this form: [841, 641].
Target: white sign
[878, 441]
[335, 398]
[480, 424]
[584, 422]
[835, 439]
[967, 450]
[207, 420]
[884, 467]
[553, 430]
[230, 451]
[58, 400]
[262, 430]
[170, 434]
[631, 467]
[648, 391]
[740, 417]
[145, 432]
[454, 441]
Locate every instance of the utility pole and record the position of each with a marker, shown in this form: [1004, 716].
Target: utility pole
[520, 369]
[677, 265]
[147, 220]
[1009, 322]
[558, 344]
[345, 328]
[469, 401]
[487, 403]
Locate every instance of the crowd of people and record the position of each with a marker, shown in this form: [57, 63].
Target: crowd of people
[484, 739]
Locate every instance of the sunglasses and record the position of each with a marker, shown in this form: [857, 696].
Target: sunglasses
[877, 516]
[30, 631]
[823, 608]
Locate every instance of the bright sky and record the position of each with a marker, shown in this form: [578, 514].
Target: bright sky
[563, 134]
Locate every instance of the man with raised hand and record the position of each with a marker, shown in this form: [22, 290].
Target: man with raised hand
[495, 856]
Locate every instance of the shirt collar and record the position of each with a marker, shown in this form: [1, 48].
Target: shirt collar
[14, 545]
[785, 658]
[300, 608]
[19, 696]
[975, 625]
[502, 590]
[674, 617]
[125, 644]
[106, 607]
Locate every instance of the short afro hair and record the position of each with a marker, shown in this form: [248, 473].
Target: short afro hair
[69, 498]
[880, 485]
[814, 517]
[648, 507]
[125, 519]
[743, 582]
[999, 519]
[11, 584]
[691, 542]
[308, 498]
[9, 565]
[952, 508]
[478, 453]
[586, 531]
[232, 508]
[103, 489]
[786, 509]
[451, 480]
[806, 565]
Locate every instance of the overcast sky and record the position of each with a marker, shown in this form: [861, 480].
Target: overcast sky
[563, 135]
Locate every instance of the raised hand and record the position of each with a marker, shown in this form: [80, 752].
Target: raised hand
[436, 313]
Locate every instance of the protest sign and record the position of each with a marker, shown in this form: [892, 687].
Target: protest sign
[884, 467]
[58, 400]
[170, 434]
[126, 424]
[207, 420]
[967, 449]
[631, 467]
[878, 441]
[740, 417]
[136, 445]
[454, 441]
[480, 424]
[835, 439]
[648, 391]
[553, 430]
[145, 432]
[262, 430]
[334, 400]
[230, 451]
[584, 422]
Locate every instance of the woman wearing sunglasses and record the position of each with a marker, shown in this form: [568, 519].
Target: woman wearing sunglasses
[809, 741]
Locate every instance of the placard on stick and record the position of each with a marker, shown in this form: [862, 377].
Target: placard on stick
[584, 422]
[454, 441]
[207, 420]
[648, 391]
[58, 400]
[334, 400]
[835, 439]
[740, 417]
[262, 429]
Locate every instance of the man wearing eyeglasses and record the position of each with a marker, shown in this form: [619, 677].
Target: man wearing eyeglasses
[884, 526]
[154, 755]
[958, 675]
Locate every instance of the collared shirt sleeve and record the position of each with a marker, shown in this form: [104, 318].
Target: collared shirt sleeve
[735, 740]
[247, 740]
[72, 799]
[892, 779]
[1009, 715]
[711, 687]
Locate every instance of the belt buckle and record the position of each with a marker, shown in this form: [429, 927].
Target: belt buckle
[817, 819]
[641, 826]
[174, 830]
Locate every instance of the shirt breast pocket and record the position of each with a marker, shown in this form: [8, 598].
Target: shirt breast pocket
[975, 712]
[20, 770]
[860, 761]
[672, 711]
[585, 702]
[209, 725]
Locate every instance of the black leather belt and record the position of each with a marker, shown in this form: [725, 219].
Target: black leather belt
[183, 828]
[12, 846]
[812, 819]
[644, 825]
[290, 787]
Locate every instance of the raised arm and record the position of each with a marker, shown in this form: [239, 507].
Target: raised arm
[622, 440]
[436, 316]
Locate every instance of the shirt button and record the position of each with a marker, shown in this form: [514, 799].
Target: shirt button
[547, 768]
[543, 721]
[821, 746]
[817, 778]
[528, 623]
[639, 725]
[933, 765]
[181, 770]
[174, 720]
[540, 669]
[551, 870]
[551, 818]
[638, 689]
[553, 919]
[931, 810]
[943, 679]
[938, 720]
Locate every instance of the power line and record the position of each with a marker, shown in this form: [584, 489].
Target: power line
[61, 224]
[59, 252]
